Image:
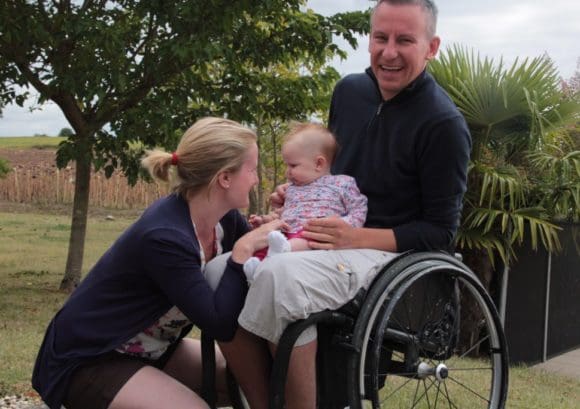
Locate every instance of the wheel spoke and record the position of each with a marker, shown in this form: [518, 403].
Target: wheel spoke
[468, 388]
[451, 404]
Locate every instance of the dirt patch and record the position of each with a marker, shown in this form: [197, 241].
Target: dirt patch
[29, 158]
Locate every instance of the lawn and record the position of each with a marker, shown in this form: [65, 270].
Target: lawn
[27, 142]
[32, 257]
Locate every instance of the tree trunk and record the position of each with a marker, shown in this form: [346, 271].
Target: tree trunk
[76, 247]
[253, 208]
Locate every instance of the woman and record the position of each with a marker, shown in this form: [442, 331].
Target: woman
[118, 342]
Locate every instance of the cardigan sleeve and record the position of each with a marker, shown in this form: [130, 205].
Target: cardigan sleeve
[173, 262]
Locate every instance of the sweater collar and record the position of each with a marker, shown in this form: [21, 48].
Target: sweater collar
[408, 91]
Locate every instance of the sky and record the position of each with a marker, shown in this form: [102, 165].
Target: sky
[493, 28]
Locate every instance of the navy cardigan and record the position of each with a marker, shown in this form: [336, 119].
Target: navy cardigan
[153, 265]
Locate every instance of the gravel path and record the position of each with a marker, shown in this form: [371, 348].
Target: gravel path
[20, 402]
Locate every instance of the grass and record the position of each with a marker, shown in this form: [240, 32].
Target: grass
[33, 253]
[528, 388]
[32, 257]
[27, 142]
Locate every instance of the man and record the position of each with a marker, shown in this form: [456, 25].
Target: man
[408, 147]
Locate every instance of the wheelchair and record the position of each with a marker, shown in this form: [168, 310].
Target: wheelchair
[425, 334]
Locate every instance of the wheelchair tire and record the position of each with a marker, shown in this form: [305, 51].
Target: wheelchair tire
[428, 335]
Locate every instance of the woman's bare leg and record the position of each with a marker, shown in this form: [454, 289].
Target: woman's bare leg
[249, 360]
[152, 388]
[185, 365]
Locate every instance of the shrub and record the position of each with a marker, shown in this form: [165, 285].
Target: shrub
[4, 168]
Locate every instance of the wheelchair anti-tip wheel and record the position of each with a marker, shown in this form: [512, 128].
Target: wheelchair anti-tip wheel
[428, 336]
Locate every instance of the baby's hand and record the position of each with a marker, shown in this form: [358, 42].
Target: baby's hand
[255, 220]
[258, 220]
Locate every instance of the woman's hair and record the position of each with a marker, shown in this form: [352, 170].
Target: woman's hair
[316, 137]
[210, 146]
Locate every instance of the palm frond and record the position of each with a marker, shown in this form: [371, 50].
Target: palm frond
[500, 185]
[489, 242]
[513, 225]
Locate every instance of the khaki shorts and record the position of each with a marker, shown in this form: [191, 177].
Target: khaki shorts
[95, 384]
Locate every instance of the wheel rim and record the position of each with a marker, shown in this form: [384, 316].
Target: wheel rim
[429, 361]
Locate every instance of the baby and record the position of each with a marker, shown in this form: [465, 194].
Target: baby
[308, 151]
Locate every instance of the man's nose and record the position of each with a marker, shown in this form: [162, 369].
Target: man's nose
[390, 50]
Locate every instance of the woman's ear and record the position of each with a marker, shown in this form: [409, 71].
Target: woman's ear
[224, 180]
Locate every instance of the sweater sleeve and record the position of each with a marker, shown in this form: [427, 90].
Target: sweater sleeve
[443, 156]
[173, 263]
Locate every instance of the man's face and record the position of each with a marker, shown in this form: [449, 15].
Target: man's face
[400, 46]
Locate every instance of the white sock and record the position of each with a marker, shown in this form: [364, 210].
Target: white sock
[277, 243]
[250, 267]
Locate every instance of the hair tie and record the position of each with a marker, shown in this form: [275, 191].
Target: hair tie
[174, 159]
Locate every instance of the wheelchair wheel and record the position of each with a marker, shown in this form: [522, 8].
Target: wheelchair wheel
[428, 336]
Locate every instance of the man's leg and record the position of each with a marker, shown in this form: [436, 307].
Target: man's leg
[292, 286]
[300, 389]
[249, 360]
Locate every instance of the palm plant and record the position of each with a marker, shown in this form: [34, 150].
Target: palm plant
[509, 113]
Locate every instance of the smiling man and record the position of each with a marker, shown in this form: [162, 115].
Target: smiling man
[402, 41]
[407, 146]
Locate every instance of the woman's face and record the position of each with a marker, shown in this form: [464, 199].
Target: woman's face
[243, 180]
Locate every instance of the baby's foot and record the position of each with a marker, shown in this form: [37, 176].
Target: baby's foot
[277, 243]
[250, 267]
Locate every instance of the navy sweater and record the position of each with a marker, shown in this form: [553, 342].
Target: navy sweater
[153, 266]
[409, 156]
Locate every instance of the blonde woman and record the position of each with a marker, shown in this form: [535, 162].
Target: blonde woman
[118, 342]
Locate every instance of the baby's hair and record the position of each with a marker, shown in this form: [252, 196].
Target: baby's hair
[315, 136]
[210, 146]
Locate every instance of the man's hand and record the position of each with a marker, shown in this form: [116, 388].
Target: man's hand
[329, 233]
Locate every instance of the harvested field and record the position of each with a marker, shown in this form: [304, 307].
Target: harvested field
[35, 179]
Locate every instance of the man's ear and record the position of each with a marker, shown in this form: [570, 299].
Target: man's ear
[224, 179]
[433, 47]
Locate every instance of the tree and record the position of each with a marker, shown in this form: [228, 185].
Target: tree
[67, 132]
[148, 69]
[510, 113]
[572, 85]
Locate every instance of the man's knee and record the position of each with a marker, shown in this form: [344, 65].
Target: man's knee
[214, 269]
[278, 264]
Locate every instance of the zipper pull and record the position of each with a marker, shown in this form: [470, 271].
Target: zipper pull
[379, 109]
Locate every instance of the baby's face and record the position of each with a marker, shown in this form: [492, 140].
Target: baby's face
[302, 166]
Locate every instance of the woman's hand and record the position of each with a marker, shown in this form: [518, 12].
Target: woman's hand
[255, 240]
[329, 233]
